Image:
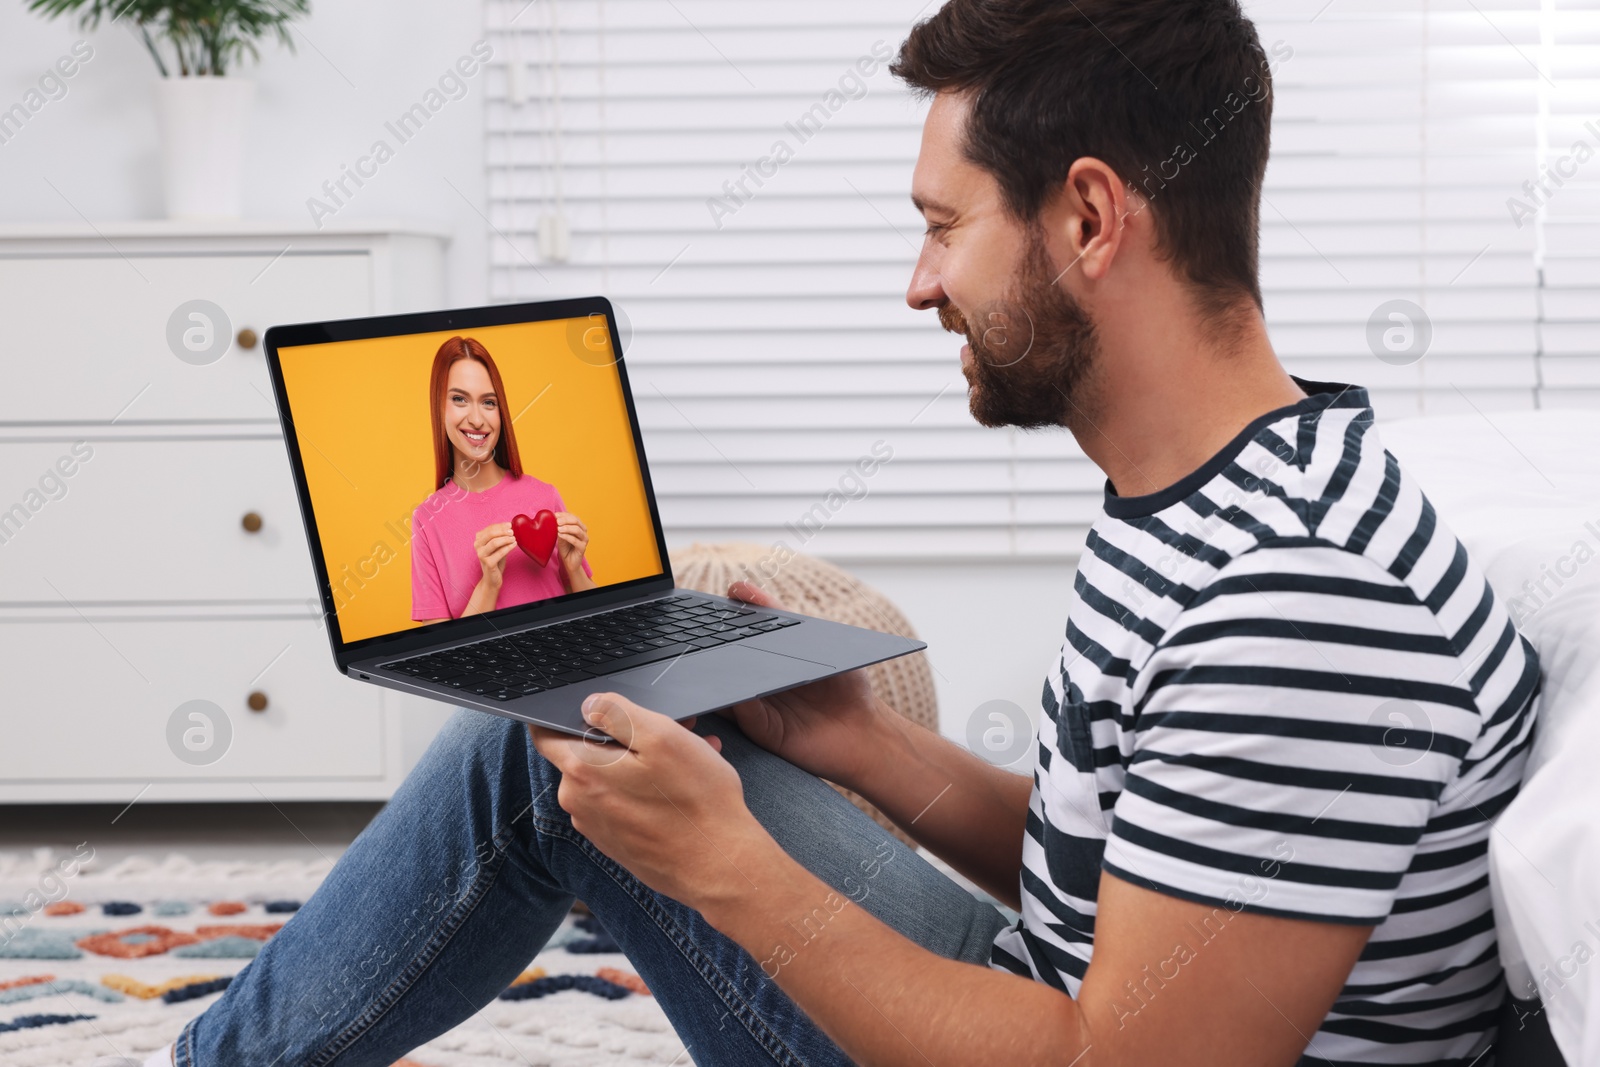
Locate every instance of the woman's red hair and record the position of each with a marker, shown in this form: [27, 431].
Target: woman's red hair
[450, 353]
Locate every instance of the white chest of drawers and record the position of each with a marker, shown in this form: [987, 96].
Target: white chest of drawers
[151, 550]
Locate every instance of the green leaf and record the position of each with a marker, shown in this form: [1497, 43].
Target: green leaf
[202, 36]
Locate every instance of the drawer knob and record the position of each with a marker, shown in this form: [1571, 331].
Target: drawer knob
[247, 338]
[251, 522]
[257, 701]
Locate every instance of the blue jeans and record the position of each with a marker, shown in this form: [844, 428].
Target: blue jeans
[469, 870]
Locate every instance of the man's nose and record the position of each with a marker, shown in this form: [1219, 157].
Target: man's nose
[927, 288]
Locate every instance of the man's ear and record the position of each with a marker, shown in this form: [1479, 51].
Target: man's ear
[1088, 218]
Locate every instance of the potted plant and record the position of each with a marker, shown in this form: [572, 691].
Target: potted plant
[201, 104]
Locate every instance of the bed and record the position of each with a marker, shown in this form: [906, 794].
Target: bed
[1522, 492]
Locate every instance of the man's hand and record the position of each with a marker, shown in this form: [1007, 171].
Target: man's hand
[658, 799]
[825, 727]
[968, 813]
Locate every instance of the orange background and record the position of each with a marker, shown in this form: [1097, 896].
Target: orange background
[361, 414]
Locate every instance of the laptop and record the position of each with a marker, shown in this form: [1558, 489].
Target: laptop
[484, 530]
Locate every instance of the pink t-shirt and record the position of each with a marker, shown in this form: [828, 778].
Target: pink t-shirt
[444, 565]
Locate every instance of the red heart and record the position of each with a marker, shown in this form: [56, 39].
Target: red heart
[536, 536]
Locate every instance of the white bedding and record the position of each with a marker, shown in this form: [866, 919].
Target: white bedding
[1522, 492]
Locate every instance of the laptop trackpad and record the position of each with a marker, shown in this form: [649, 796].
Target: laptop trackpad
[712, 679]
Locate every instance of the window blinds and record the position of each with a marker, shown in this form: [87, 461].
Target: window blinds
[736, 177]
[1566, 196]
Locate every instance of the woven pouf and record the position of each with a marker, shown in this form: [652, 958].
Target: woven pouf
[811, 586]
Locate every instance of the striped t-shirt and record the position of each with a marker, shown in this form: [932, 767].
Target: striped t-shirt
[1285, 689]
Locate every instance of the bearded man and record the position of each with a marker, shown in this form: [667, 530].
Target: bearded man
[1285, 711]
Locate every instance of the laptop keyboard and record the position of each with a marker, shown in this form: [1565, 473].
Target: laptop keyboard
[534, 661]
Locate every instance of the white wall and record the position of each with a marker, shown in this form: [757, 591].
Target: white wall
[355, 67]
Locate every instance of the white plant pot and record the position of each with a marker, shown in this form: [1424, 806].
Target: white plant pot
[202, 144]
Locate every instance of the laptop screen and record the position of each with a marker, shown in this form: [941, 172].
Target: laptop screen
[469, 470]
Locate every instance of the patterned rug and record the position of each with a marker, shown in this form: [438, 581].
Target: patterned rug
[111, 960]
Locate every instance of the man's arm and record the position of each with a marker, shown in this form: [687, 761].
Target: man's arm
[967, 812]
[1173, 982]
[1250, 996]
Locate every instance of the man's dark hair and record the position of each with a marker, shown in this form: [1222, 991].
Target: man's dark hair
[1175, 95]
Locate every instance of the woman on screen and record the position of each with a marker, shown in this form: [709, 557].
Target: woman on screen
[464, 557]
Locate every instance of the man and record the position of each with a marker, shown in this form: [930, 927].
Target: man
[1285, 711]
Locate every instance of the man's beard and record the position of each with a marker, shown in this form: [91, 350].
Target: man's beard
[1034, 351]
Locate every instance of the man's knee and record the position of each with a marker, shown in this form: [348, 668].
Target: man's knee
[478, 731]
[479, 747]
